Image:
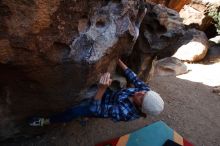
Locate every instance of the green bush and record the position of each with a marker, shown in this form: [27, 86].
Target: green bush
[216, 16]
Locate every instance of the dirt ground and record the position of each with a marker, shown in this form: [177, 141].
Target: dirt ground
[190, 108]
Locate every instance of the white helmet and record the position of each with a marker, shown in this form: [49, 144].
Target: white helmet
[152, 103]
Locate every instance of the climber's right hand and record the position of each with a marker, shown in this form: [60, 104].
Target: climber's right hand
[105, 80]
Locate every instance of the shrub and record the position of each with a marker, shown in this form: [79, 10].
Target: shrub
[215, 14]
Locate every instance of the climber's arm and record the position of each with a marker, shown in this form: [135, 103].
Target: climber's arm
[132, 77]
[122, 65]
[104, 82]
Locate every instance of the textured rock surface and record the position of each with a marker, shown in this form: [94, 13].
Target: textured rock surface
[194, 48]
[169, 66]
[197, 15]
[50, 51]
[173, 4]
[160, 35]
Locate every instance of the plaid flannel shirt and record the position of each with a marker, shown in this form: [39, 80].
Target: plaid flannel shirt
[117, 105]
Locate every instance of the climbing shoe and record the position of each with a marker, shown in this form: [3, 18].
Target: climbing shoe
[39, 122]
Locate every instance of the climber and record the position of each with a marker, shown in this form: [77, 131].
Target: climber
[122, 105]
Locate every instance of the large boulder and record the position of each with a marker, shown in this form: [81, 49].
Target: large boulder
[50, 51]
[200, 14]
[160, 35]
[194, 48]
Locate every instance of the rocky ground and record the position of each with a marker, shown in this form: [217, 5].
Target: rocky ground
[191, 108]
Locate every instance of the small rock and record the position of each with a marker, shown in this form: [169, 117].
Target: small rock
[169, 66]
[216, 90]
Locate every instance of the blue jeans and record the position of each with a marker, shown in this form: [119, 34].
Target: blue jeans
[80, 110]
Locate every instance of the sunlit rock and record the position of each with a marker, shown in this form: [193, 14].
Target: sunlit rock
[195, 46]
[202, 15]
